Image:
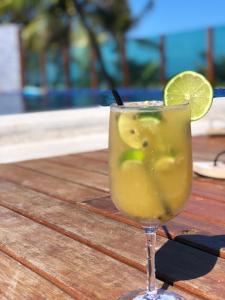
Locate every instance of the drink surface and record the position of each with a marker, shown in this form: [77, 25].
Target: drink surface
[150, 160]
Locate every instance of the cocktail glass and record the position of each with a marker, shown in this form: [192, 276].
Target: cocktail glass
[150, 171]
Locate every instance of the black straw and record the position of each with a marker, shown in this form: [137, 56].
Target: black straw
[117, 97]
[217, 157]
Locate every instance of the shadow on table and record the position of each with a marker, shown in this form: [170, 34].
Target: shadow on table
[214, 244]
[176, 261]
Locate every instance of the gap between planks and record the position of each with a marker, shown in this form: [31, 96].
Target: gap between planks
[20, 180]
[16, 286]
[201, 187]
[83, 240]
[39, 166]
[101, 183]
[65, 283]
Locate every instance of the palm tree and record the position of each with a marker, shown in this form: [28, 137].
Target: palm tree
[39, 28]
[21, 12]
[113, 17]
[48, 23]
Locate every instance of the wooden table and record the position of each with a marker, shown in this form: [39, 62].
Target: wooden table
[62, 238]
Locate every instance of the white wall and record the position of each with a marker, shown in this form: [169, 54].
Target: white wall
[10, 69]
[10, 58]
[45, 134]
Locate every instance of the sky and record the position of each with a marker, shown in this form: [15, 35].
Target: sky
[171, 16]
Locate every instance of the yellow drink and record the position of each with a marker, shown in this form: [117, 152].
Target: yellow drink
[150, 160]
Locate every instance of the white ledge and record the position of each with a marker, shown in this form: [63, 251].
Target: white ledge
[46, 134]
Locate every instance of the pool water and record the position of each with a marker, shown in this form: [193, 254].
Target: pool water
[31, 100]
[34, 100]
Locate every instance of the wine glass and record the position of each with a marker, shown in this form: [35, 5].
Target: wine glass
[150, 162]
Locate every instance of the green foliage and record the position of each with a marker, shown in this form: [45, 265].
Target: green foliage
[48, 24]
[143, 75]
[114, 16]
[43, 22]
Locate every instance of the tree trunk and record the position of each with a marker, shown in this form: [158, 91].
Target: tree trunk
[94, 75]
[43, 78]
[162, 60]
[66, 55]
[22, 69]
[22, 60]
[43, 75]
[209, 56]
[66, 65]
[125, 69]
[94, 43]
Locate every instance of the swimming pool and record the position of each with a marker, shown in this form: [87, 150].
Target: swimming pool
[36, 100]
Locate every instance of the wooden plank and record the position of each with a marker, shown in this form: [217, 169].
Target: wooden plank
[210, 147]
[102, 205]
[206, 209]
[207, 143]
[101, 155]
[188, 229]
[211, 189]
[197, 233]
[210, 181]
[180, 225]
[204, 188]
[207, 188]
[81, 271]
[72, 174]
[201, 156]
[67, 191]
[199, 272]
[206, 148]
[49, 185]
[81, 162]
[188, 232]
[20, 283]
[76, 268]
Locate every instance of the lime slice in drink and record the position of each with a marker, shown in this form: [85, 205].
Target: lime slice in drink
[165, 163]
[131, 131]
[153, 116]
[131, 156]
[193, 87]
[148, 120]
[135, 128]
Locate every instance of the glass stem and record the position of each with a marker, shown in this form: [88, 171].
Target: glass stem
[150, 246]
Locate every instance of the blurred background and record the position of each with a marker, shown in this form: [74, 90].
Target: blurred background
[58, 54]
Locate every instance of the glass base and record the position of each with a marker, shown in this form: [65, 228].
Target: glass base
[159, 295]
